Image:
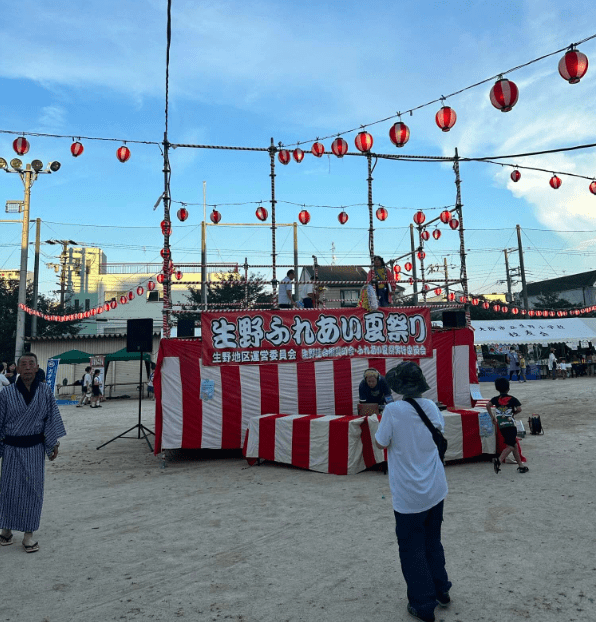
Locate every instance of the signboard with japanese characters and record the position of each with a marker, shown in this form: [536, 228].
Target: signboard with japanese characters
[535, 330]
[285, 336]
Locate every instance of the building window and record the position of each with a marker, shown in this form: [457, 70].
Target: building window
[154, 296]
[87, 304]
[76, 305]
[349, 297]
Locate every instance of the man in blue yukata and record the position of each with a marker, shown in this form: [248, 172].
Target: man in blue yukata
[30, 426]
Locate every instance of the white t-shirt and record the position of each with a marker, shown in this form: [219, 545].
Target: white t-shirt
[306, 289]
[87, 381]
[416, 473]
[4, 381]
[285, 291]
[551, 359]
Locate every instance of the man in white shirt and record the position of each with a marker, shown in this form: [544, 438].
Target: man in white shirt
[552, 363]
[418, 488]
[284, 296]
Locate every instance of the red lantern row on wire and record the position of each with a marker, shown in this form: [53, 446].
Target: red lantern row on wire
[83, 315]
[554, 182]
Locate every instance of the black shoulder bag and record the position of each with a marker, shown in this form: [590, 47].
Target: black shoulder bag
[438, 438]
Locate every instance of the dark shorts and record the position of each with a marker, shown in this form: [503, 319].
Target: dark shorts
[509, 435]
[307, 302]
[150, 389]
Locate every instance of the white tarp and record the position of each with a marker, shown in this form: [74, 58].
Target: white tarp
[535, 330]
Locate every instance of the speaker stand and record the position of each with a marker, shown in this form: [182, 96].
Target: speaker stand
[139, 427]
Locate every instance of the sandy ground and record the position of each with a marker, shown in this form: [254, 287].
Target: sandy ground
[210, 539]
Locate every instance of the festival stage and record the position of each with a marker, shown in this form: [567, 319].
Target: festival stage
[209, 397]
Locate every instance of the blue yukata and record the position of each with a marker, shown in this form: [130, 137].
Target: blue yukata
[23, 415]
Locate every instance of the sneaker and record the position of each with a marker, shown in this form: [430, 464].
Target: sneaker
[418, 616]
[444, 599]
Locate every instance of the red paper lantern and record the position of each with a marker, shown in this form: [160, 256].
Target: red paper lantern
[166, 227]
[262, 213]
[131, 296]
[318, 149]
[215, 216]
[123, 153]
[411, 281]
[343, 218]
[496, 307]
[123, 300]
[552, 314]
[284, 156]
[396, 272]
[451, 296]
[485, 305]
[363, 142]
[396, 268]
[445, 216]
[425, 235]
[339, 147]
[421, 254]
[100, 310]
[419, 217]
[113, 304]
[559, 314]
[76, 149]
[426, 287]
[21, 145]
[504, 95]
[160, 278]
[399, 134]
[179, 275]
[593, 187]
[298, 155]
[454, 223]
[150, 286]
[304, 217]
[504, 309]
[515, 175]
[382, 213]
[165, 253]
[407, 266]
[446, 118]
[475, 301]
[573, 66]
[438, 291]
[436, 234]
[106, 306]
[555, 182]
[182, 214]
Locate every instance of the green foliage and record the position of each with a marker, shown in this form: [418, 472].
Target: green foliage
[9, 301]
[233, 292]
[552, 301]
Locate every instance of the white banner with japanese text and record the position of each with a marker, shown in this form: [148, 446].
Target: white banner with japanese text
[282, 336]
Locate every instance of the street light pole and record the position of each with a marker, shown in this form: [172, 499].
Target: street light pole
[28, 175]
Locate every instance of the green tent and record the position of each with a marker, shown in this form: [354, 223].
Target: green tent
[72, 357]
[123, 355]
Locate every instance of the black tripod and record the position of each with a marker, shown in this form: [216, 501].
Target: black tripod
[141, 429]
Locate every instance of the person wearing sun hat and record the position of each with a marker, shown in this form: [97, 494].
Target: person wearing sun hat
[418, 488]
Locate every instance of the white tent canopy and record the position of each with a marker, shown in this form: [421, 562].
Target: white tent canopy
[534, 330]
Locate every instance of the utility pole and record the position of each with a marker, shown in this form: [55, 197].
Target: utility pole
[509, 293]
[446, 277]
[521, 268]
[36, 275]
[413, 248]
[462, 247]
[204, 250]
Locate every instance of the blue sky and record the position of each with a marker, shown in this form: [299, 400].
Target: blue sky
[242, 73]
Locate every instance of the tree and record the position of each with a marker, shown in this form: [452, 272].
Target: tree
[552, 301]
[9, 303]
[234, 292]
